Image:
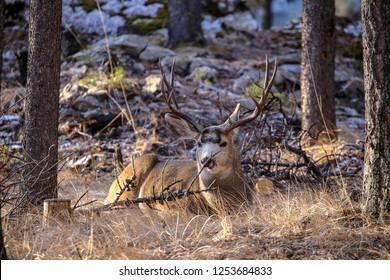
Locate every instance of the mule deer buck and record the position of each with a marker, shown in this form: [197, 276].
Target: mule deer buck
[217, 168]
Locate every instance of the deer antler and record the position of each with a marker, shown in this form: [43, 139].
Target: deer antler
[170, 97]
[232, 123]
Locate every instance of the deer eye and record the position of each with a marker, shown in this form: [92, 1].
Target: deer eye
[223, 144]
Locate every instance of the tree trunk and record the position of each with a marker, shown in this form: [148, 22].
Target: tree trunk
[376, 61]
[317, 63]
[2, 8]
[43, 84]
[266, 21]
[3, 253]
[184, 24]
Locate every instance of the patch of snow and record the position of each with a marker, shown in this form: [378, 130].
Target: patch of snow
[238, 21]
[8, 55]
[112, 15]
[73, 17]
[70, 2]
[113, 7]
[241, 21]
[354, 29]
[356, 122]
[114, 23]
[93, 22]
[10, 119]
[141, 10]
[211, 27]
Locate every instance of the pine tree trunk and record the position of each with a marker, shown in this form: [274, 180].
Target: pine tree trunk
[184, 24]
[317, 63]
[43, 84]
[266, 20]
[3, 253]
[376, 60]
[2, 8]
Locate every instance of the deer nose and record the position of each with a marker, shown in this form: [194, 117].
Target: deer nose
[208, 162]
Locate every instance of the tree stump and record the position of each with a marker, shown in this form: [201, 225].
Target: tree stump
[56, 210]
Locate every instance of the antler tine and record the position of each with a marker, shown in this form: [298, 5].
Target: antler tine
[171, 97]
[229, 125]
[163, 82]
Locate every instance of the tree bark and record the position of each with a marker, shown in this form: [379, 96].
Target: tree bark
[43, 84]
[266, 21]
[2, 8]
[376, 61]
[317, 63]
[3, 253]
[184, 23]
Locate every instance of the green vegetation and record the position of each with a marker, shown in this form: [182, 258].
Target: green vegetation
[220, 50]
[351, 49]
[212, 8]
[143, 25]
[114, 79]
[200, 74]
[88, 5]
[257, 91]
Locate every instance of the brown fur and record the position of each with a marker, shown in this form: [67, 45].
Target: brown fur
[153, 175]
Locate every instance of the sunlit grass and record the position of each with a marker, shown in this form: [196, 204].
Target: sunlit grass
[298, 222]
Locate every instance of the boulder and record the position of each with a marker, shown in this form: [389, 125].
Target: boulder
[128, 44]
[241, 84]
[153, 53]
[86, 102]
[203, 73]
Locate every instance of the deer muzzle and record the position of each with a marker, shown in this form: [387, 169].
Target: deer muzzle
[208, 162]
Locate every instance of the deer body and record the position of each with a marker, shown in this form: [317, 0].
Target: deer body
[151, 176]
[223, 174]
[217, 168]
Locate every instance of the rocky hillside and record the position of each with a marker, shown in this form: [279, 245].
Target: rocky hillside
[111, 100]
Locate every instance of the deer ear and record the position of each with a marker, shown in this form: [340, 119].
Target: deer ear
[180, 127]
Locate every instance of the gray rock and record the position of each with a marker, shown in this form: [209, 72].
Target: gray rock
[198, 62]
[182, 64]
[342, 75]
[66, 112]
[86, 102]
[241, 84]
[241, 21]
[138, 67]
[154, 53]
[289, 72]
[353, 87]
[159, 37]
[128, 44]
[101, 94]
[204, 73]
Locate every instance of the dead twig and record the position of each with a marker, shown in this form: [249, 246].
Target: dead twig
[166, 195]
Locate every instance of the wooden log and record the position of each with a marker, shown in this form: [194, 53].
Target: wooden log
[56, 210]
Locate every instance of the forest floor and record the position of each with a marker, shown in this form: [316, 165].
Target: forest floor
[301, 222]
[310, 213]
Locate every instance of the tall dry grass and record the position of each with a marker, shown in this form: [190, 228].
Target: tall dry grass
[299, 222]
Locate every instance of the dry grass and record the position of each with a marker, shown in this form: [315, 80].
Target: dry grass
[300, 222]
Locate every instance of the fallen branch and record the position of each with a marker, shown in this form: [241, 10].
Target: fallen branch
[165, 196]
